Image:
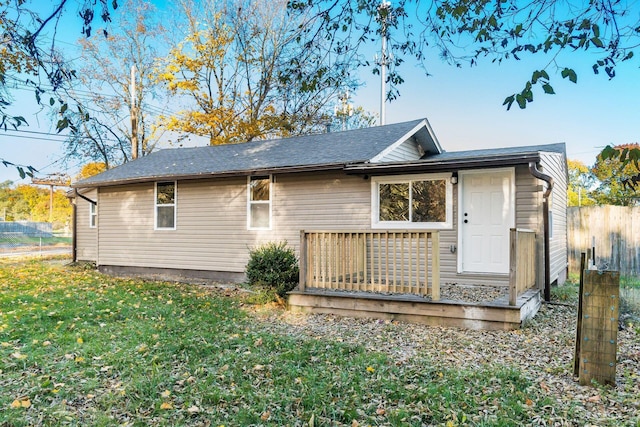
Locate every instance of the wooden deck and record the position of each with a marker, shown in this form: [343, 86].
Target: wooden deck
[394, 274]
[495, 315]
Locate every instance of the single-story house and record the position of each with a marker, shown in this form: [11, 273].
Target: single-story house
[196, 212]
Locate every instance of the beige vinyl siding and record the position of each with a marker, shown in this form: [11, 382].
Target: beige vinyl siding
[211, 227]
[86, 237]
[555, 165]
[408, 150]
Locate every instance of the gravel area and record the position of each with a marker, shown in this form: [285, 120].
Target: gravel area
[542, 350]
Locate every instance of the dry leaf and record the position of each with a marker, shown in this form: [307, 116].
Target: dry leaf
[21, 403]
[380, 411]
[265, 415]
[166, 405]
[165, 393]
[193, 409]
[595, 398]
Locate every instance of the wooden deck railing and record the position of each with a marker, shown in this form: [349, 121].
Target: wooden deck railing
[400, 262]
[522, 260]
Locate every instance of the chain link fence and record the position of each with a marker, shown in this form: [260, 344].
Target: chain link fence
[21, 236]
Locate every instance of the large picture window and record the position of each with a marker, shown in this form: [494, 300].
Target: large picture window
[165, 206]
[259, 204]
[423, 201]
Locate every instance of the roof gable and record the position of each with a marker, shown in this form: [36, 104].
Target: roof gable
[417, 142]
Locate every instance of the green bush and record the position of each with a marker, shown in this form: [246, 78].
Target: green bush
[273, 266]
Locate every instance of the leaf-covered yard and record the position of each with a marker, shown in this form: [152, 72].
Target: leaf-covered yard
[80, 348]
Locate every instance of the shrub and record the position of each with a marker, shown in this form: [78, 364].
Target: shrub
[273, 266]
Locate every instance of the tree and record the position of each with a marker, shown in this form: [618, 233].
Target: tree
[104, 101]
[91, 169]
[470, 31]
[30, 203]
[28, 55]
[612, 174]
[249, 73]
[581, 182]
[347, 117]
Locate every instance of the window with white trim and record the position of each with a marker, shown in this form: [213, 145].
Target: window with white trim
[93, 215]
[416, 201]
[259, 203]
[165, 205]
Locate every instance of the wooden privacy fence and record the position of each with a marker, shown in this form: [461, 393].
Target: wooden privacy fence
[616, 230]
[522, 262]
[400, 262]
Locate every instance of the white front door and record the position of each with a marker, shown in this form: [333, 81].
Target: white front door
[486, 215]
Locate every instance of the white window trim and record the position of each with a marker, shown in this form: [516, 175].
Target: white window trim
[400, 179]
[93, 215]
[261, 202]
[174, 204]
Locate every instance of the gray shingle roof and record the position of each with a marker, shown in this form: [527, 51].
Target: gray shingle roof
[351, 149]
[338, 148]
[457, 160]
[494, 152]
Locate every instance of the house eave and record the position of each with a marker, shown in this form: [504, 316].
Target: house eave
[441, 165]
[224, 174]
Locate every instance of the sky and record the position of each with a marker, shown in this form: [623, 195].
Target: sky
[463, 106]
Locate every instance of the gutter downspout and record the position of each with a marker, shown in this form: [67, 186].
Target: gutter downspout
[533, 168]
[74, 238]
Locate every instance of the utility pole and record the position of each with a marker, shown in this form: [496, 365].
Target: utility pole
[52, 180]
[384, 10]
[345, 110]
[134, 115]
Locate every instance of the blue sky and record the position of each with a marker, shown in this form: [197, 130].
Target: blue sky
[463, 105]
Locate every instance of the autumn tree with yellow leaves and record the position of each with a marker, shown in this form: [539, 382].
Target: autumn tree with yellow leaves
[248, 73]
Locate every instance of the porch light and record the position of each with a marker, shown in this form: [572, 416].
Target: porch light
[454, 178]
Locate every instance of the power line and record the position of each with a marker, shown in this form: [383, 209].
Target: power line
[86, 95]
[52, 137]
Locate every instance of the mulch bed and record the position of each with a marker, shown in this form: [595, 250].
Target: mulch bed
[542, 350]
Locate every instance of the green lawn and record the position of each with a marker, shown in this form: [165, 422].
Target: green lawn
[36, 241]
[80, 348]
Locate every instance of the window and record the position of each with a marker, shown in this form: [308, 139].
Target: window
[259, 204]
[422, 201]
[93, 215]
[165, 206]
